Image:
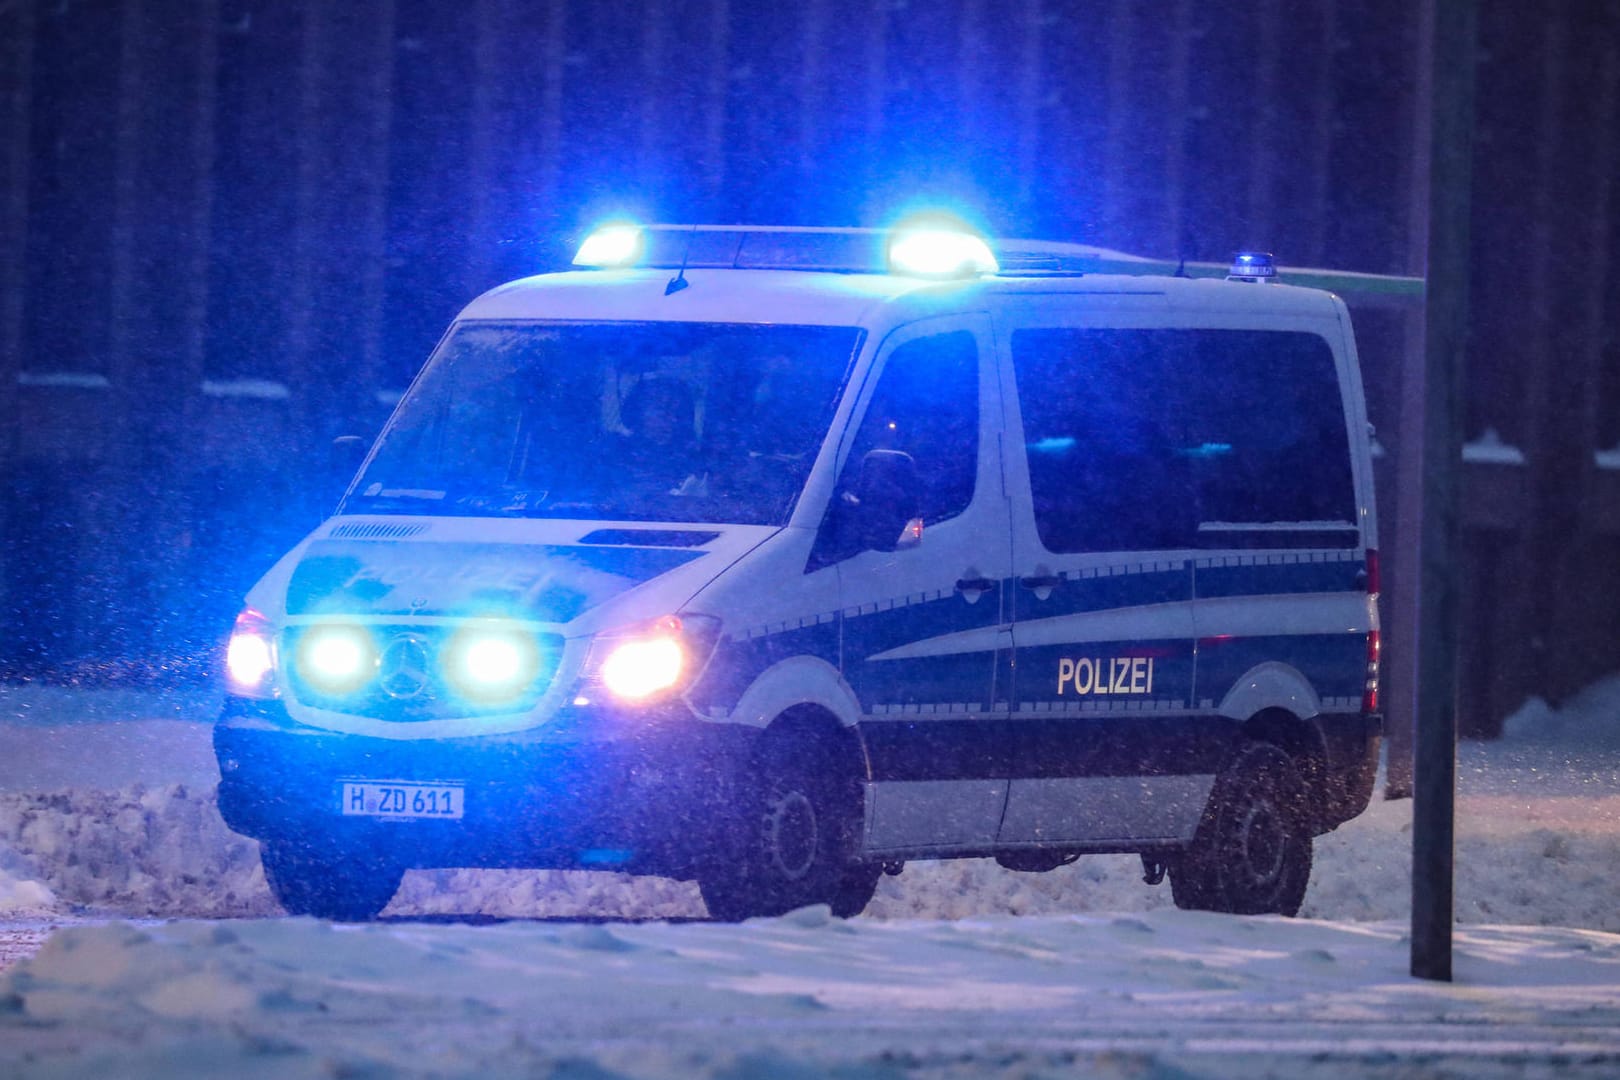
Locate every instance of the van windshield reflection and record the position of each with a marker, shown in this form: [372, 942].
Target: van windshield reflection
[702, 422]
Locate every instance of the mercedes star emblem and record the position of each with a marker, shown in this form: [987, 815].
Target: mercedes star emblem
[404, 667]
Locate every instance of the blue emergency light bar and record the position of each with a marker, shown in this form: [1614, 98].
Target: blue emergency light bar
[618, 244]
[939, 251]
[921, 250]
[890, 251]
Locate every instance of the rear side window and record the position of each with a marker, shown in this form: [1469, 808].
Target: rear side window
[1151, 439]
[1268, 434]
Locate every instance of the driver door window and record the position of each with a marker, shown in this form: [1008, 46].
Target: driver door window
[927, 405]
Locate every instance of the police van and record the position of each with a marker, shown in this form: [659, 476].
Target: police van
[776, 558]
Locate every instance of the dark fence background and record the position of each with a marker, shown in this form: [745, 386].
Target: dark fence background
[230, 230]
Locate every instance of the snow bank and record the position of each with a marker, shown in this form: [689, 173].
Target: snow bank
[1522, 857]
[21, 896]
[1160, 996]
[141, 851]
[1588, 722]
[1538, 842]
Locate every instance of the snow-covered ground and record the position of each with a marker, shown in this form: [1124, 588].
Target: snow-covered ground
[958, 969]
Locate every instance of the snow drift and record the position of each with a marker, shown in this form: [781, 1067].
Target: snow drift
[1538, 844]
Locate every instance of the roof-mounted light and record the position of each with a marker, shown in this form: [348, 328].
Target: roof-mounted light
[939, 250]
[619, 244]
[1252, 266]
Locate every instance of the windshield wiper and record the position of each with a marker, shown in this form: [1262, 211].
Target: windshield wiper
[398, 501]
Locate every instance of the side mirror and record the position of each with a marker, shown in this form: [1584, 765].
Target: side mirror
[884, 505]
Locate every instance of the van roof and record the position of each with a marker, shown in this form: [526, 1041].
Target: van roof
[822, 298]
[837, 276]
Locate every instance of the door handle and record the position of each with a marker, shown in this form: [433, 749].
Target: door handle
[1040, 581]
[974, 584]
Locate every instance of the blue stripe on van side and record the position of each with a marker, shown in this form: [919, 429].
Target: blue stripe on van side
[961, 679]
[1334, 664]
[737, 662]
[1108, 681]
[1040, 667]
[1269, 574]
[1117, 587]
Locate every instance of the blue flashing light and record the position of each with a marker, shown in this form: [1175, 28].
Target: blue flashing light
[618, 244]
[1252, 266]
[337, 659]
[491, 663]
[939, 249]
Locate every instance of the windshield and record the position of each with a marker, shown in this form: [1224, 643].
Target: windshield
[705, 422]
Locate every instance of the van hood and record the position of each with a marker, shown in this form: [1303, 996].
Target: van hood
[540, 581]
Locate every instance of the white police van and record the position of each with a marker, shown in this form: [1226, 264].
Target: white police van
[775, 558]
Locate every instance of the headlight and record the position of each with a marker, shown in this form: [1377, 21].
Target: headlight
[640, 669]
[251, 655]
[658, 658]
[337, 659]
[491, 663]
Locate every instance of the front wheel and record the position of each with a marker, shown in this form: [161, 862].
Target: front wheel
[795, 836]
[328, 885]
[1252, 852]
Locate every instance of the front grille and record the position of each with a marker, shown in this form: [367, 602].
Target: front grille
[411, 683]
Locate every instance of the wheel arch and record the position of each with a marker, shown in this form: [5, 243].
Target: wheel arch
[1301, 738]
[812, 723]
[793, 684]
[1272, 685]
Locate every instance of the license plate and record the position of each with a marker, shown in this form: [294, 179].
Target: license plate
[390, 799]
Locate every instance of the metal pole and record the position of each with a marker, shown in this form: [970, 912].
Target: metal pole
[1446, 318]
[1400, 605]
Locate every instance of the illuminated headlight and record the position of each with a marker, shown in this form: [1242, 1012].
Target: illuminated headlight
[251, 656]
[656, 659]
[337, 659]
[491, 663]
[640, 669]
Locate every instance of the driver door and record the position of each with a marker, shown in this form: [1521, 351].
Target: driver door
[922, 618]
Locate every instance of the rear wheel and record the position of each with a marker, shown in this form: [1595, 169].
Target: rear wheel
[328, 885]
[795, 836]
[1252, 852]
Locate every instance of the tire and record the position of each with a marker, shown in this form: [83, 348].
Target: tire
[328, 885]
[793, 841]
[1252, 852]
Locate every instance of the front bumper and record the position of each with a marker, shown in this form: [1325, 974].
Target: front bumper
[596, 790]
